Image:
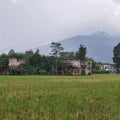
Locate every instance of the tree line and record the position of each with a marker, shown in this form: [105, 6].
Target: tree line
[37, 64]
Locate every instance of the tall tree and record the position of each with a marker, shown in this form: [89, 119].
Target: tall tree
[34, 60]
[11, 52]
[56, 50]
[116, 58]
[3, 64]
[81, 54]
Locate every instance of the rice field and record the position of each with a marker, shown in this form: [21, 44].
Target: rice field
[95, 97]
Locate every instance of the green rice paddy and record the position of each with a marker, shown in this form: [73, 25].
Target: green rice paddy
[95, 97]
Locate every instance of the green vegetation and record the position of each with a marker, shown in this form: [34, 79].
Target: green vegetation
[56, 50]
[116, 58]
[94, 97]
[81, 53]
[36, 64]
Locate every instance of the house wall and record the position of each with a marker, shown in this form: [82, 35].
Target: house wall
[88, 66]
[75, 66]
[109, 67]
[13, 62]
[73, 62]
[73, 71]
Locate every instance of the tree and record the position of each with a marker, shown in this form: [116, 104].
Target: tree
[81, 54]
[28, 54]
[3, 64]
[11, 52]
[67, 55]
[35, 59]
[116, 58]
[56, 50]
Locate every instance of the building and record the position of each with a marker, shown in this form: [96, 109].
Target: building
[88, 66]
[108, 67]
[74, 66]
[14, 62]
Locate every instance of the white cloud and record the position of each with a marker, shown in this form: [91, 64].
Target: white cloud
[0, 36]
[115, 18]
[17, 1]
[14, 1]
[117, 1]
[37, 22]
[117, 11]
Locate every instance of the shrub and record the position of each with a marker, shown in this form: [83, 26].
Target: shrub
[89, 73]
[83, 72]
[100, 72]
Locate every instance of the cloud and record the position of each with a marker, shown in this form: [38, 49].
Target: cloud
[116, 11]
[17, 1]
[14, 1]
[0, 36]
[36, 22]
[115, 18]
[117, 1]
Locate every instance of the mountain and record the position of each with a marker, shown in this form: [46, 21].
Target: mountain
[99, 45]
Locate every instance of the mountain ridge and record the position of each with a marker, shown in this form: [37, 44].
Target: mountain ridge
[99, 45]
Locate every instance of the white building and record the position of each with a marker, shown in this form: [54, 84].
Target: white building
[74, 66]
[108, 67]
[14, 62]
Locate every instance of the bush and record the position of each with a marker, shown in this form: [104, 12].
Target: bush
[100, 72]
[83, 72]
[89, 73]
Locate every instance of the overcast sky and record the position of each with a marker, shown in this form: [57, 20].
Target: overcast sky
[26, 24]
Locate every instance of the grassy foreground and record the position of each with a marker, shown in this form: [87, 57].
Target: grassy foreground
[95, 97]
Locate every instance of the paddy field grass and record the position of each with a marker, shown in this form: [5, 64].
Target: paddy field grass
[95, 97]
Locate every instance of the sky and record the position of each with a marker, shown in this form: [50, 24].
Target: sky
[28, 24]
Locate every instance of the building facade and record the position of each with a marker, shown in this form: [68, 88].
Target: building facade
[108, 67]
[75, 66]
[14, 62]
